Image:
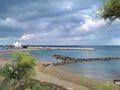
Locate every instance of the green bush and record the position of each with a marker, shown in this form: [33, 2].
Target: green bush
[24, 46]
[107, 86]
[4, 86]
[16, 75]
[21, 68]
[30, 84]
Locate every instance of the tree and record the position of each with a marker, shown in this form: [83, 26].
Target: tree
[111, 10]
[22, 68]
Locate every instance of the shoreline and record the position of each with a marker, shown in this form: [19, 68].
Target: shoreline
[89, 83]
[45, 48]
[55, 75]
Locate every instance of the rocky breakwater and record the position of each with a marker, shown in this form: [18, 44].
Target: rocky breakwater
[67, 60]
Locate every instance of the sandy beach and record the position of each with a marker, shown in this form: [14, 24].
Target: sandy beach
[60, 77]
[63, 78]
[71, 80]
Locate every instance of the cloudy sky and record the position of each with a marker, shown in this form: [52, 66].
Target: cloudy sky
[56, 22]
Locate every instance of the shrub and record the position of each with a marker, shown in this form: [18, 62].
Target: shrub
[18, 74]
[107, 86]
[4, 86]
[21, 68]
[30, 84]
[24, 46]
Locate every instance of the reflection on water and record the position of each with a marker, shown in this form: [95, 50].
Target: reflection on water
[100, 70]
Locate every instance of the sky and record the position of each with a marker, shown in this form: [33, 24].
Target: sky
[56, 22]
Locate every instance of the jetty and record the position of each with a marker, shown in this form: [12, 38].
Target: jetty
[70, 48]
[67, 60]
[60, 48]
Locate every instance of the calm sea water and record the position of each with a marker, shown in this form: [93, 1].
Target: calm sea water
[99, 69]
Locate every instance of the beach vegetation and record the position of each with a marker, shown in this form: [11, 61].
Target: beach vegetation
[30, 84]
[19, 74]
[25, 46]
[107, 86]
[110, 10]
[21, 68]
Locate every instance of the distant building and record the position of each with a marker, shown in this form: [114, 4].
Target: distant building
[17, 44]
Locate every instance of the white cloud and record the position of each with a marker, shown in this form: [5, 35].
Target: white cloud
[8, 22]
[77, 38]
[14, 23]
[90, 23]
[115, 41]
[90, 37]
[3, 39]
[68, 41]
[27, 36]
[72, 39]
[66, 22]
[68, 6]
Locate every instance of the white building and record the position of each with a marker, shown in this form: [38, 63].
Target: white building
[17, 44]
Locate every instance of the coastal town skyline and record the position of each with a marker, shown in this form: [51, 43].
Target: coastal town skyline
[53, 22]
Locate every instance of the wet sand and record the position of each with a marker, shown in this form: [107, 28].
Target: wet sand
[79, 82]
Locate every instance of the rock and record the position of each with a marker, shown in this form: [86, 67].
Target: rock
[67, 60]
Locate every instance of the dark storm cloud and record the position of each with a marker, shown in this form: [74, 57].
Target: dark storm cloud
[6, 31]
[29, 9]
[55, 22]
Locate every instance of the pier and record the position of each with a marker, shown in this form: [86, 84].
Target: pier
[59, 48]
[70, 48]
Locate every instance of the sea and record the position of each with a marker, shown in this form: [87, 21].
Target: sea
[104, 70]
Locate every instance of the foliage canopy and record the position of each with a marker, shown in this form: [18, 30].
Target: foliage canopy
[111, 10]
